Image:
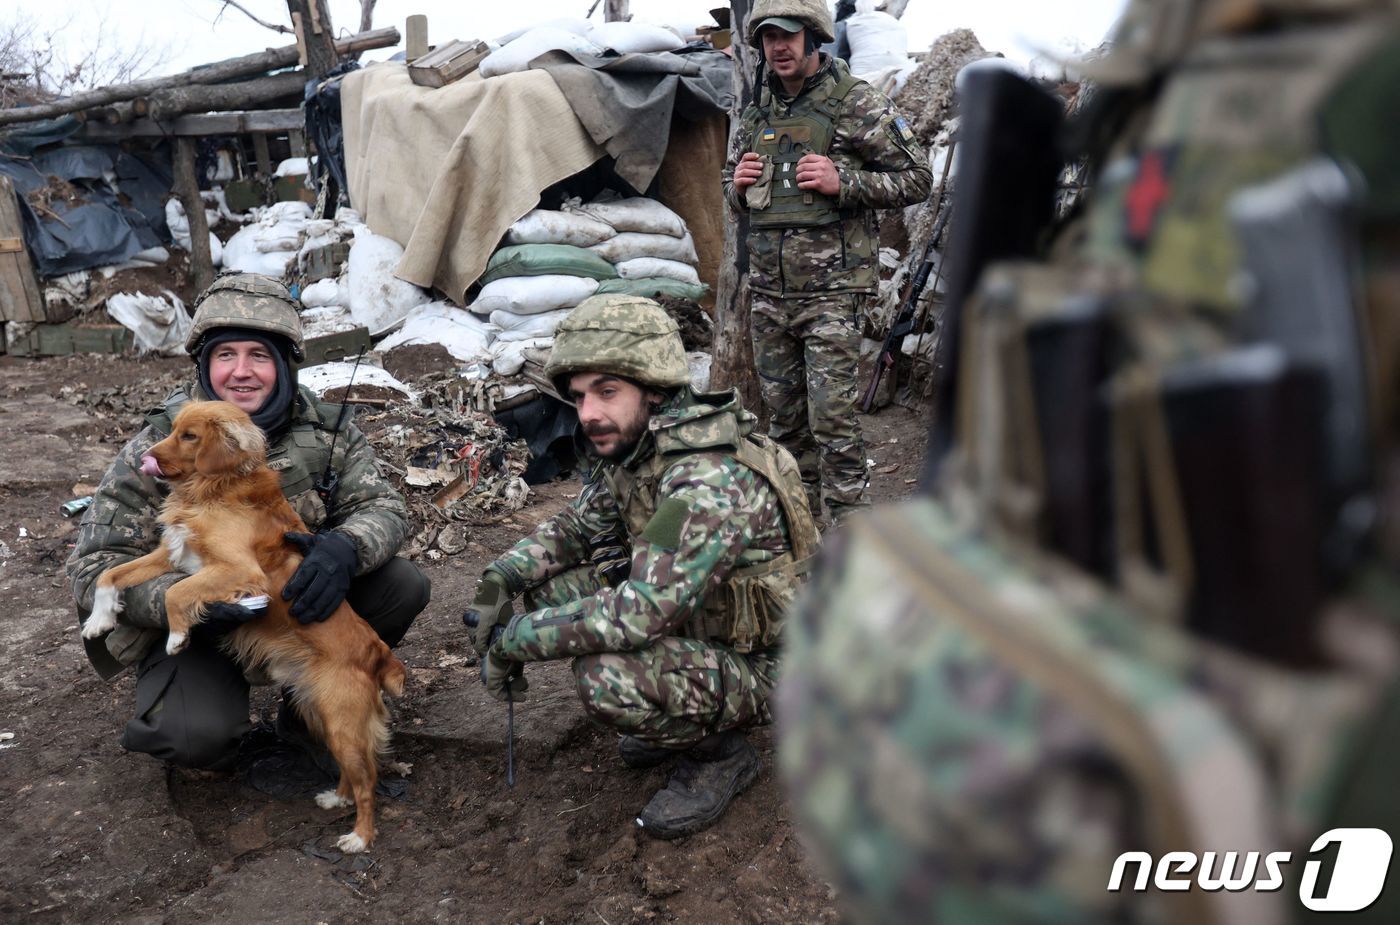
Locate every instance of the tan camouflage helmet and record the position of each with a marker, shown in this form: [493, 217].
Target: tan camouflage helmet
[247, 300]
[811, 13]
[624, 335]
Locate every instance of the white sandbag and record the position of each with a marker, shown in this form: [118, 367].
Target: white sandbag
[643, 267]
[508, 357]
[465, 336]
[629, 245]
[241, 253]
[878, 40]
[633, 37]
[568, 23]
[179, 225]
[530, 295]
[516, 55]
[267, 245]
[636, 213]
[541, 226]
[293, 167]
[378, 299]
[321, 293]
[321, 379]
[524, 327]
[157, 324]
[327, 319]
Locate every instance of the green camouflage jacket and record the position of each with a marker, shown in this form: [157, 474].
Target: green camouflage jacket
[881, 165]
[729, 519]
[120, 525]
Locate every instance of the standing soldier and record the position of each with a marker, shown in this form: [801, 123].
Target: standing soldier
[1141, 630]
[667, 579]
[814, 156]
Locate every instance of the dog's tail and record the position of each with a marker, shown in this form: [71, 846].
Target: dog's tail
[391, 673]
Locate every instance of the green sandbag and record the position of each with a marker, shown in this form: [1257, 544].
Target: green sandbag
[546, 260]
[652, 286]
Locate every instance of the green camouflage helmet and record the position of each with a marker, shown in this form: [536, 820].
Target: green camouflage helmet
[811, 13]
[247, 300]
[624, 335]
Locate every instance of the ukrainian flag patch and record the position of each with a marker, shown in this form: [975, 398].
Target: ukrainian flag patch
[902, 125]
[769, 136]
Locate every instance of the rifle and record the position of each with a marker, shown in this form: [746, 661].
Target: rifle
[903, 322]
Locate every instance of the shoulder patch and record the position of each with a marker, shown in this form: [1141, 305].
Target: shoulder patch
[276, 465]
[664, 528]
[901, 125]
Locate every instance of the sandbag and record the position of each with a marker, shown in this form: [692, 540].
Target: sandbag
[547, 260]
[540, 226]
[572, 24]
[878, 41]
[321, 293]
[629, 245]
[520, 327]
[643, 267]
[633, 37]
[517, 54]
[636, 213]
[651, 287]
[378, 299]
[464, 335]
[530, 295]
[508, 357]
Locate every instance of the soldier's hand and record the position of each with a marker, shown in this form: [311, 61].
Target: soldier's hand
[818, 172]
[490, 610]
[748, 170]
[503, 677]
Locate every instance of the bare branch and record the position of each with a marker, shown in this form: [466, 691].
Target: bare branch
[367, 14]
[266, 25]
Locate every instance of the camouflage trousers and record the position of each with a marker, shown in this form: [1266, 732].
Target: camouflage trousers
[807, 351]
[673, 693]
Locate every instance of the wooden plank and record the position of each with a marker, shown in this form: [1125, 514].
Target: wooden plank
[21, 298]
[296, 140]
[201, 261]
[273, 121]
[415, 30]
[11, 245]
[260, 152]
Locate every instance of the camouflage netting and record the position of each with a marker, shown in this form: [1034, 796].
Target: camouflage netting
[927, 99]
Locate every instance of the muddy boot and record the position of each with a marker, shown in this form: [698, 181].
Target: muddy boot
[708, 777]
[637, 753]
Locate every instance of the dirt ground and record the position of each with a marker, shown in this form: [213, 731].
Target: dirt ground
[95, 834]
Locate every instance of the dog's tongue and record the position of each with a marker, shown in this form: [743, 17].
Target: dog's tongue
[149, 466]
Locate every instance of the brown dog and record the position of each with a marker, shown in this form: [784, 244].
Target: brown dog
[224, 521]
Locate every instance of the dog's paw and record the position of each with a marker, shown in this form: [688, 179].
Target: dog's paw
[351, 843]
[176, 643]
[329, 799]
[106, 604]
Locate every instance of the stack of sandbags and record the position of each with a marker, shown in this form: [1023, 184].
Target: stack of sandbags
[271, 242]
[652, 251]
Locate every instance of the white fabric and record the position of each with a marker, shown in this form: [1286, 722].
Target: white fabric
[321, 379]
[377, 298]
[321, 293]
[465, 336]
[530, 295]
[878, 41]
[157, 324]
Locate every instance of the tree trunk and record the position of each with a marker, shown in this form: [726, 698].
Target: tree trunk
[732, 363]
[894, 7]
[232, 69]
[187, 188]
[314, 34]
[247, 94]
[617, 11]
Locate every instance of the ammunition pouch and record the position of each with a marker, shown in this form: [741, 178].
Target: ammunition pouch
[750, 608]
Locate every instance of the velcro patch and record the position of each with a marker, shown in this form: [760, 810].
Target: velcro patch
[901, 124]
[276, 465]
[664, 529]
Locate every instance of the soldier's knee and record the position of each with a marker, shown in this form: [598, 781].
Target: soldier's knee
[604, 693]
[207, 745]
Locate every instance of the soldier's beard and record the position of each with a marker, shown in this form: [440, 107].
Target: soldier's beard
[629, 434]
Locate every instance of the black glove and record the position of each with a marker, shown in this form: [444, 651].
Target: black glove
[503, 677]
[490, 611]
[221, 618]
[323, 578]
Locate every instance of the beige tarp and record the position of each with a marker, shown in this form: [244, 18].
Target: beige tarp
[446, 171]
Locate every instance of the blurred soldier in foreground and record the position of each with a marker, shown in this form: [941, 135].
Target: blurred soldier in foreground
[1148, 602]
[815, 155]
[668, 578]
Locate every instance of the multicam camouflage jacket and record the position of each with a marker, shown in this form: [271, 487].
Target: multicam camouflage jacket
[121, 524]
[881, 166]
[709, 517]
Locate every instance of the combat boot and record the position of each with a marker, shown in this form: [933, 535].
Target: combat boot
[706, 780]
[638, 753]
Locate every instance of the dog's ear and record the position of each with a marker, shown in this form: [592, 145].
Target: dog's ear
[247, 438]
[218, 453]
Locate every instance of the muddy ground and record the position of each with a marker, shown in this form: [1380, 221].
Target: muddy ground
[92, 834]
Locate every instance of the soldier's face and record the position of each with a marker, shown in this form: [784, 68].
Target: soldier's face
[786, 53]
[612, 412]
[243, 373]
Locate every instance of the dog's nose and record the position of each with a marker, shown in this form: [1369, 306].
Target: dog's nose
[149, 466]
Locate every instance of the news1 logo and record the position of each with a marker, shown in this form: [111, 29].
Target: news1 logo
[1345, 870]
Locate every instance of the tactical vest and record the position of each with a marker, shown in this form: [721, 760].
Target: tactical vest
[748, 611]
[808, 128]
[299, 457]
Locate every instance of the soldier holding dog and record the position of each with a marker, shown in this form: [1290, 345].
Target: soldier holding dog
[667, 578]
[192, 708]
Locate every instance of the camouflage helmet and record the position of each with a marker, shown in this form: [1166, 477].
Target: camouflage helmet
[247, 300]
[811, 13]
[624, 335]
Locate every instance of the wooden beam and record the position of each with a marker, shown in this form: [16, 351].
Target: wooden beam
[21, 299]
[245, 94]
[315, 34]
[272, 121]
[261, 154]
[187, 187]
[232, 69]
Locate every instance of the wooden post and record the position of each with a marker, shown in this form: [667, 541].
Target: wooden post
[260, 153]
[617, 11]
[732, 364]
[314, 33]
[21, 299]
[187, 188]
[415, 31]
